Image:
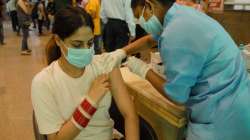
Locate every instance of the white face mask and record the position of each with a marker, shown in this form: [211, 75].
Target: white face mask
[152, 26]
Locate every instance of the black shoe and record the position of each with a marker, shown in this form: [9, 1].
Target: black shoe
[2, 43]
[29, 50]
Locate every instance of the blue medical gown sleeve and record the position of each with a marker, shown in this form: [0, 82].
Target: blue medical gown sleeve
[183, 52]
[155, 37]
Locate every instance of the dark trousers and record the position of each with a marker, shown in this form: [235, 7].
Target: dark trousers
[40, 26]
[34, 22]
[25, 30]
[1, 31]
[14, 21]
[116, 34]
[97, 44]
[48, 23]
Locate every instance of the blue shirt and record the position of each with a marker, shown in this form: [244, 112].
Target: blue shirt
[206, 72]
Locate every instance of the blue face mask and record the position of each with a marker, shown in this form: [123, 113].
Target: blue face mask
[152, 26]
[80, 57]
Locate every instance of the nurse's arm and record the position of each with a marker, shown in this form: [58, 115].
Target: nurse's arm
[143, 43]
[158, 83]
[125, 105]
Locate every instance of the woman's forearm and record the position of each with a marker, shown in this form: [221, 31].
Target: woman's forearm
[68, 132]
[143, 43]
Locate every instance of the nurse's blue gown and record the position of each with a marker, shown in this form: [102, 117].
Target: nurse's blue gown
[206, 72]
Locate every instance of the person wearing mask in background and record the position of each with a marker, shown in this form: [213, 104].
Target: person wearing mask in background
[1, 23]
[93, 8]
[24, 9]
[119, 25]
[62, 4]
[12, 10]
[192, 3]
[34, 15]
[204, 69]
[51, 10]
[72, 95]
[41, 16]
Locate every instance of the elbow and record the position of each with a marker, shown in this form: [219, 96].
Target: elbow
[130, 116]
[150, 40]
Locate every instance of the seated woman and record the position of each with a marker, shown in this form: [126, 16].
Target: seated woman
[71, 96]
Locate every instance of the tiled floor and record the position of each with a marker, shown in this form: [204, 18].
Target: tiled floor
[16, 73]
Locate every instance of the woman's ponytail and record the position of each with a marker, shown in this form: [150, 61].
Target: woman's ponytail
[52, 51]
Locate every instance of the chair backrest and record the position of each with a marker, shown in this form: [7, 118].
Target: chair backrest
[38, 136]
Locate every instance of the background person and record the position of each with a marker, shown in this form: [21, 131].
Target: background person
[12, 10]
[51, 10]
[1, 23]
[93, 8]
[41, 16]
[24, 10]
[119, 26]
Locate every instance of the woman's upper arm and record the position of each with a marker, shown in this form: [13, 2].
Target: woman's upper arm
[51, 136]
[120, 92]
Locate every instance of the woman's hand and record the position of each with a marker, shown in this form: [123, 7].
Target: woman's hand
[99, 87]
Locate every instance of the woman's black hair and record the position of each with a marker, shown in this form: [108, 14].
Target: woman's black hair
[135, 3]
[166, 2]
[67, 21]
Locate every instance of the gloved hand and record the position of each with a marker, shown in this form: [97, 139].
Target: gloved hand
[113, 59]
[137, 66]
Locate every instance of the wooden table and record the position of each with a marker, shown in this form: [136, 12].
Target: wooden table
[167, 119]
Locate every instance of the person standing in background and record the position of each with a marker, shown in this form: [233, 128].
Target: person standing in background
[34, 15]
[41, 16]
[1, 23]
[93, 8]
[119, 25]
[24, 9]
[12, 10]
[51, 10]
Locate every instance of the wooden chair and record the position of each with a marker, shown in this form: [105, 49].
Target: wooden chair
[38, 136]
[167, 120]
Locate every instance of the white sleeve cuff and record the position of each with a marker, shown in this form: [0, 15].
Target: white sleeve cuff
[120, 54]
[76, 124]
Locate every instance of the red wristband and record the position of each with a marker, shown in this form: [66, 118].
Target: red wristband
[80, 118]
[87, 107]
